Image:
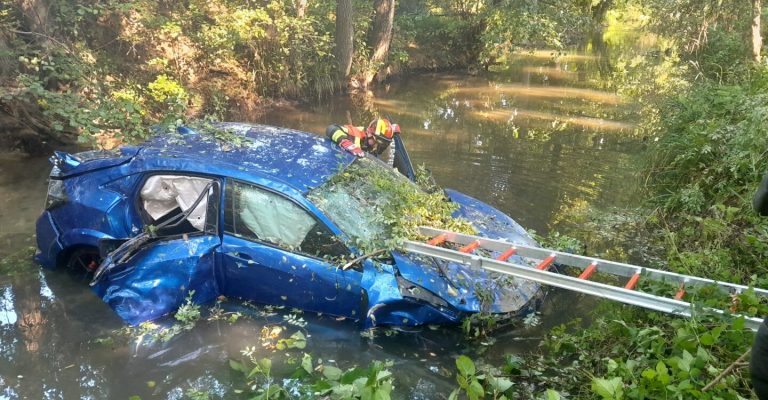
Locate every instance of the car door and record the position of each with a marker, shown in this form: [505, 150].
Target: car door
[274, 251]
[152, 274]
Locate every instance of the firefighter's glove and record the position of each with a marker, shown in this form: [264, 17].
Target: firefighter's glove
[351, 148]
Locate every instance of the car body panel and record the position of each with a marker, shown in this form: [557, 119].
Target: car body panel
[270, 275]
[155, 278]
[295, 158]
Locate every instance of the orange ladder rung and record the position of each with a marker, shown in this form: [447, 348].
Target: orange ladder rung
[437, 240]
[632, 281]
[468, 248]
[546, 263]
[591, 269]
[680, 292]
[509, 253]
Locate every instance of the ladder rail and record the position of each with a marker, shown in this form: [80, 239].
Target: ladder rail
[583, 262]
[620, 294]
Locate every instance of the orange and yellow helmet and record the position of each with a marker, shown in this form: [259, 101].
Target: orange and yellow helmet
[381, 129]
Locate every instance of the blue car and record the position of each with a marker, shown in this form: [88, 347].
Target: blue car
[253, 212]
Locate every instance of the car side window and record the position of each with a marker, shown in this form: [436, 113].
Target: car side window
[258, 214]
[178, 204]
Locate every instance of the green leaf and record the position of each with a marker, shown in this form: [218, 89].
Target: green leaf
[306, 363]
[610, 389]
[475, 390]
[266, 365]
[331, 373]
[238, 366]
[552, 395]
[649, 374]
[353, 375]
[501, 385]
[465, 365]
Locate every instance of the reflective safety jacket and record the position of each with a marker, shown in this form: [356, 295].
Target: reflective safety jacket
[357, 135]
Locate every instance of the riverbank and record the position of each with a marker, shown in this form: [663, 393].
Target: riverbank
[703, 167]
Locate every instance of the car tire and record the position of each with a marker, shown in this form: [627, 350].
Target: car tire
[83, 261]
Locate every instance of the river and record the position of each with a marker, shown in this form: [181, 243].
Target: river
[531, 139]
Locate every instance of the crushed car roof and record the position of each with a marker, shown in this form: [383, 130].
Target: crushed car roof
[300, 159]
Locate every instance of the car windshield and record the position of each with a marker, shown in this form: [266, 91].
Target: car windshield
[356, 199]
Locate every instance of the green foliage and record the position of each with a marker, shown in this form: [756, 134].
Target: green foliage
[704, 171]
[638, 355]
[515, 24]
[394, 205]
[479, 385]
[311, 380]
[707, 124]
[189, 312]
[431, 41]
[295, 341]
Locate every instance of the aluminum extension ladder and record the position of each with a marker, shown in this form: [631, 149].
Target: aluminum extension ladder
[541, 274]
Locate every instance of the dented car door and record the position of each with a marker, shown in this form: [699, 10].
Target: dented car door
[152, 274]
[273, 252]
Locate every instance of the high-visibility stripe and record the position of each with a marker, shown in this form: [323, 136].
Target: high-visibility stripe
[338, 135]
[591, 269]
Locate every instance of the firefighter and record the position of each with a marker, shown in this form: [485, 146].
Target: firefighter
[354, 139]
[758, 363]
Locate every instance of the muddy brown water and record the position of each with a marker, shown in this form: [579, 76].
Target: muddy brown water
[527, 140]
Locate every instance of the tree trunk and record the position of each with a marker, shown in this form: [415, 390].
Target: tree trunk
[301, 7]
[344, 38]
[36, 15]
[757, 39]
[37, 20]
[381, 35]
[600, 9]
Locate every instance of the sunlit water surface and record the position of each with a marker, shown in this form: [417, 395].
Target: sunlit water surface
[528, 140]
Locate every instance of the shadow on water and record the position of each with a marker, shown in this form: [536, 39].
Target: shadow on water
[527, 140]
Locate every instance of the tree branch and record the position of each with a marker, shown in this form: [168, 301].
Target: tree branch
[726, 371]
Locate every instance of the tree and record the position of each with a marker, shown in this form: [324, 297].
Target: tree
[344, 38]
[757, 40]
[301, 7]
[381, 36]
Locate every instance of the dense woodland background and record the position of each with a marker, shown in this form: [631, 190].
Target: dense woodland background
[98, 71]
[93, 68]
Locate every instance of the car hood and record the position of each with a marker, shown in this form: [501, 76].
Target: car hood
[466, 288]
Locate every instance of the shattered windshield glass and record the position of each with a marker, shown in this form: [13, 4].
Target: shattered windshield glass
[378, 208]
[357, 198]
